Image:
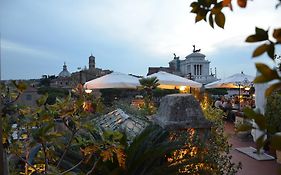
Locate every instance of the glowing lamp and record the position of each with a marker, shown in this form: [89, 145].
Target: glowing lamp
[182, 88]
[88, 91]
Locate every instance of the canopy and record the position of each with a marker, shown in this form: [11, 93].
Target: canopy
[233, 81]
[171, 81]
[113, 80]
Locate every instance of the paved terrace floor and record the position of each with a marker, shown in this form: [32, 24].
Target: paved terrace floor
[250, 166]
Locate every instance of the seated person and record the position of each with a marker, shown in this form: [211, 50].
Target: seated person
[227, 105]
[218, 103]
[227, 108]
[236, 103]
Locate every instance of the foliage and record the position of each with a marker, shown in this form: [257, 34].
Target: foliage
[53, 93]
[111, 95]
[203, 151]
[213, 9]
[157, 92]
[147, 153]
[188, 151]
[77, 146]
[131, 110]
[39, 140]
[45, 81]
[219, 141]
[148, 84]
[157, 150]
[217, 91]
[272, 113]
[265, 127]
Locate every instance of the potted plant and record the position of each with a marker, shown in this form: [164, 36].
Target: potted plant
[273, 118]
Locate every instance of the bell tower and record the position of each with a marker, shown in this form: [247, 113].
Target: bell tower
[92, 63]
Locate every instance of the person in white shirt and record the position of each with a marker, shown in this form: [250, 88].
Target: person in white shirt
[219, 102]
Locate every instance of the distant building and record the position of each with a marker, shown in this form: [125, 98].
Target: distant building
[152, 70]
[194, 67]
[68, 80]
[92, 72]
[64, 72]
[28, 97]
[63, 80]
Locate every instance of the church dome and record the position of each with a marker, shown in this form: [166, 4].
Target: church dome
[64, 72]
[195, 54]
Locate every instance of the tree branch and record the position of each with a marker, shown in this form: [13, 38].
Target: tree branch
[25, 161]
[66, 148]
[72, 167]
[93, 168]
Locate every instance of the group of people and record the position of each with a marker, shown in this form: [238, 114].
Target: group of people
[233, 105]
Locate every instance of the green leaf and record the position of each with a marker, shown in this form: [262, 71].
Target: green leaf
[261, 32]
[216, 10]
[271, 50]
[208, 3]
[220, 19]
[200, 15]
[259, 118]
[211, 20]
[260, 50]
[250, 113]
[21, 86]
[195, 7]
[256, 38]
[201, 2]
[262, 79]
[252, 39]
[267, 72]
[194, 4]
[272, 88]
[261, 35]
[244, 127]
[42, 100]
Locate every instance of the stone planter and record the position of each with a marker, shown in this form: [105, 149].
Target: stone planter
[181, 111]
[243, 135]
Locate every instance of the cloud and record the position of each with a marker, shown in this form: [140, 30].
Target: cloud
[26, 50]
[142, 31]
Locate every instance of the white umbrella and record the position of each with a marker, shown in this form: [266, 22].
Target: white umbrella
[233, 81]
[171, 81]
[113, 80]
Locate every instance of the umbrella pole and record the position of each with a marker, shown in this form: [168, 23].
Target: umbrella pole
[239, 98]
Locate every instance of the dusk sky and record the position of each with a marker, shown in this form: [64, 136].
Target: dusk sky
[38, 36]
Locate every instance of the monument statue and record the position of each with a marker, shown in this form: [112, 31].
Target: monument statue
[194, 50]
[175, 56]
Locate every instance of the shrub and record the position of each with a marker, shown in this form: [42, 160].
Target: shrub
[272, 113]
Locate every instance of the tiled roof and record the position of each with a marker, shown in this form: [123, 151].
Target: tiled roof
[118, 120]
